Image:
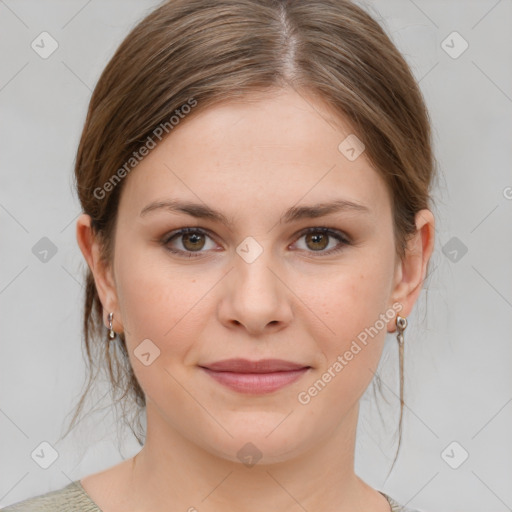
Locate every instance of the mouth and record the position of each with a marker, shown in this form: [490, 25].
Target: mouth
[255, 377]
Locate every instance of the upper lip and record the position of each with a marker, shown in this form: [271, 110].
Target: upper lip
[246, 366]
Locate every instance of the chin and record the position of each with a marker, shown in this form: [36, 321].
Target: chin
[259, 442]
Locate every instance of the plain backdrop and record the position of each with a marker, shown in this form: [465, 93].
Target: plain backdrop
[456, 446]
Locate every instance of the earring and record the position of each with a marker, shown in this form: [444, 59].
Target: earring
[401, 324]
[111, 333]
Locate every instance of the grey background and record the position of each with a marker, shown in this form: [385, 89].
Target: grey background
[458, 343]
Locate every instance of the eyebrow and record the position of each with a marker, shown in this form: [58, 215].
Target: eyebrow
[202, 211]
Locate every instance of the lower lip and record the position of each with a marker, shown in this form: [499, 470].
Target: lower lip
[256, 383]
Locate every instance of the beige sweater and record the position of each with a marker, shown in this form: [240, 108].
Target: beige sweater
[73, 498]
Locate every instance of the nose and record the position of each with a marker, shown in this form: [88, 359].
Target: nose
[256, 297]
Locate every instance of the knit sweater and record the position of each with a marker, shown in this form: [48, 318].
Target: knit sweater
[73, 498]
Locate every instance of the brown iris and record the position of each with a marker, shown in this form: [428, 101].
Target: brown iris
[195, 241]
[320, 240]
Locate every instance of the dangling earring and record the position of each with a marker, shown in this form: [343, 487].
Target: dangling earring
[401, 324]
[111, 333]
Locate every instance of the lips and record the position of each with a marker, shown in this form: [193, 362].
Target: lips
[247, 366]
[255, 377]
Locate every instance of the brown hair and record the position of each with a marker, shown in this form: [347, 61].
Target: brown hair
[213, 52]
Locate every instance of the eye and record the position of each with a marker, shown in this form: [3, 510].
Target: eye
[191, 239]
[318, 238]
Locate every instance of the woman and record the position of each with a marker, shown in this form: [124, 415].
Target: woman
[254, 177]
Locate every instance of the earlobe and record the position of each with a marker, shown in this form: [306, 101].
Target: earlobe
[91, 250]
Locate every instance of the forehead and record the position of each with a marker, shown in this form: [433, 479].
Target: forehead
[262, 152]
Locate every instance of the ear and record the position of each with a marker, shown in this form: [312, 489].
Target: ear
[410, 273]
[103, 274]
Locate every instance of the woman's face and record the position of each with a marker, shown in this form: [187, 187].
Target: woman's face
[258, 286]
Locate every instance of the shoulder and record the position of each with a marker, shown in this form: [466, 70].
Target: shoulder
[71, 498]
[395, 506]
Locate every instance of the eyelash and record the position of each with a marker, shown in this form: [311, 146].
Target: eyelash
[194, 254]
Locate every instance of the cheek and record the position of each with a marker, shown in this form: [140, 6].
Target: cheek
[352, 305]
[157, 302]
[161, 306]
[351, 300]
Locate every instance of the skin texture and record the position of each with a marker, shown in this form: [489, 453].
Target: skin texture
[251, 160]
